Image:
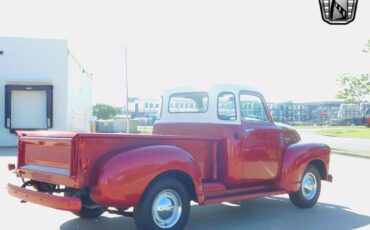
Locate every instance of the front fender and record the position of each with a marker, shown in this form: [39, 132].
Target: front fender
[120, 180]
[296, 159]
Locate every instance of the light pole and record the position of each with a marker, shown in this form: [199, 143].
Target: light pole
[126, 78]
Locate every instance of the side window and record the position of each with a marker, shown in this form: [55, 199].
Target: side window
[252, 108]
[226, 107]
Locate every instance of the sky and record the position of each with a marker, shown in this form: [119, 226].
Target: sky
[283, 48]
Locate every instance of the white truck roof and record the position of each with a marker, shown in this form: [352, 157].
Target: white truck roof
[208, 116]
[212, 89]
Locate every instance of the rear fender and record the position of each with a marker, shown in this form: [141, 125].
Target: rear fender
[296, 159]
[121, 179]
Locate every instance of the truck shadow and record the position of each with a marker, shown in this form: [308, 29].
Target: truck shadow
[262, 213]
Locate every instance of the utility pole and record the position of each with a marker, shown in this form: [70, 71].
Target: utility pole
[126, 78]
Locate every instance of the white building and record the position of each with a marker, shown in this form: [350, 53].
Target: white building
[42, 87]
[140, 107]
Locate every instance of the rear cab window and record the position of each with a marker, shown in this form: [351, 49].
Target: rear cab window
[194, 102]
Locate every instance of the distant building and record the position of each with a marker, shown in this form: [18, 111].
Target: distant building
[42, 87]
[143, 107]
[335, 113]
[326, 112]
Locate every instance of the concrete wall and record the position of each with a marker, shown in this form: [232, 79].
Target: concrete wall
[79, 96]
[34, 62]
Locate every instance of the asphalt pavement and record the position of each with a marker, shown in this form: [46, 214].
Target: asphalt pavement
[344, 204]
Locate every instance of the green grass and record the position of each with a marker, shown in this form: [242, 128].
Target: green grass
[306, 127]
[338, 131]
[344, 131]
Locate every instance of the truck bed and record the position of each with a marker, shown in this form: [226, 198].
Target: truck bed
[58, 158]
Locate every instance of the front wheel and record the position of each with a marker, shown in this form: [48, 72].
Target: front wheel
[165, 205]
[309, 191]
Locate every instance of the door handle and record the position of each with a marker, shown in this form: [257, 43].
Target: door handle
[247, 131]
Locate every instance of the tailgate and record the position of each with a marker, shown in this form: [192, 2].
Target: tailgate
[47, 157]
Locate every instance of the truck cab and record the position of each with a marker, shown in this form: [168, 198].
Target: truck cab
[209, 145]
[254, 144]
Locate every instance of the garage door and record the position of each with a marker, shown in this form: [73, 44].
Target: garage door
[28, 109]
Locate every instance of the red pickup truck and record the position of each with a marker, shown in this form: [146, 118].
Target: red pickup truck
[209, 146]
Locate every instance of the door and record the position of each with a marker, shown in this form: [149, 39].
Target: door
[261, 141]
[28, 109]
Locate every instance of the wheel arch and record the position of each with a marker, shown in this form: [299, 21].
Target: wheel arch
[319, 164]
[183, 178]
[297, 157]
[122, 179]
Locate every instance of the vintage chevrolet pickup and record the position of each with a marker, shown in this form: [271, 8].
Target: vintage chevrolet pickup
[208, 146]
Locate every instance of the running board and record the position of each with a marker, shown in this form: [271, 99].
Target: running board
[241, 196]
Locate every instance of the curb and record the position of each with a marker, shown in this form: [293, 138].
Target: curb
[349, 154]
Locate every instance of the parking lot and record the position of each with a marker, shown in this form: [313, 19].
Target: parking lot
[344, 204]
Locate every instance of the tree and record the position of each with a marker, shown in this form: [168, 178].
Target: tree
[367, 47]
[353, 88]
[104, 111]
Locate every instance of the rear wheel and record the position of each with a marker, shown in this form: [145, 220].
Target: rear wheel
[165, 205]
[88, 211]
[309, 191]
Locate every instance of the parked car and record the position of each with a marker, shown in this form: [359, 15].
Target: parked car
[209, 146]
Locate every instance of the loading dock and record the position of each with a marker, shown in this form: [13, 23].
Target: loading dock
[42, 87]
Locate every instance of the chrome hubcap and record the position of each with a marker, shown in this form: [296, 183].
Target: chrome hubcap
[309, 186]
[166, 209]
